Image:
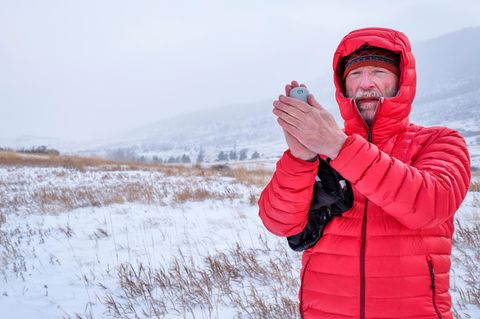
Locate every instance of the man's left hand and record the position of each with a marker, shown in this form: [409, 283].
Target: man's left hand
[310, 124]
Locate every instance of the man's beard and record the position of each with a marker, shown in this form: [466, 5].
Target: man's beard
[367, 102]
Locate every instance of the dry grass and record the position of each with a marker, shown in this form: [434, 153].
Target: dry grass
[59, 199]
[253, 198]
[11, 258]
[75, 162]
[466, 260]
[474, 186]
[257, 177]
[111, 185]
[104, 185]
[80, 163]
[255, 283]
[200, 193]
[3, 218]
[188, 287]
[117, 189]
[192, 194]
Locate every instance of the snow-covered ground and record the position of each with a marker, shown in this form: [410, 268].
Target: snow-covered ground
[62, 251]
[98, 243]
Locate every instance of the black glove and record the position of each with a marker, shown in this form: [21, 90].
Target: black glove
[332, 195]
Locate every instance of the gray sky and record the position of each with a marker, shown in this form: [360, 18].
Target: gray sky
[91, 69]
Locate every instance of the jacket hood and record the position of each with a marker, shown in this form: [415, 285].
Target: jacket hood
[392, 114]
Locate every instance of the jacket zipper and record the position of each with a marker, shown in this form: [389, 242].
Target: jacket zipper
[362, 249]
[432, 280]
[301, 286]
[364, 221]
[365, 125]
[362, 262]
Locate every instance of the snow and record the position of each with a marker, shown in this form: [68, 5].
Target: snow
[64, 261]
[56, 262]
[68, 266]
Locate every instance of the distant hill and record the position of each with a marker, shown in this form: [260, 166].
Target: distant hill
[448, 94]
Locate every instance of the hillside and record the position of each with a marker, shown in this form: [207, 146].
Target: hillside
[447, 95]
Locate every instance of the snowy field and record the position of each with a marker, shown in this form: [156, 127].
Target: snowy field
[162, 242]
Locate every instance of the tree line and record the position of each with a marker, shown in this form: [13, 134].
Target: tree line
[129, 154]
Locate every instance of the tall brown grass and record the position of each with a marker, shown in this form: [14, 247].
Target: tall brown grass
[59, 199]
[188, 287]
[474, 186]
[256, 177]
[466, 260]
[76, 162]
[118, 188]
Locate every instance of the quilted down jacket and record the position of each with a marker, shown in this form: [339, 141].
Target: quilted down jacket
[389, 255]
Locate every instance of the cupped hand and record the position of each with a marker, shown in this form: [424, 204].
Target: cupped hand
[297, 149]
[310, 124]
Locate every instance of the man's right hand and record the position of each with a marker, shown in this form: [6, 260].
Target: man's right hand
[297, 149]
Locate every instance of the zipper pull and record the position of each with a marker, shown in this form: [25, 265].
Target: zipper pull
[432, 273]
[369, 137]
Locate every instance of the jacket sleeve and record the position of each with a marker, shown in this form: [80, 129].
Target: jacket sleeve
[285, 201]
[421, 195]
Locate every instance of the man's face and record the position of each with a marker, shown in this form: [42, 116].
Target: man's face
[367, 84]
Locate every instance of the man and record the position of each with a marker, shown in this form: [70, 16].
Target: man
[389, 255]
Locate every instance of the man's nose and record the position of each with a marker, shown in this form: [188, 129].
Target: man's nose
[366, 81]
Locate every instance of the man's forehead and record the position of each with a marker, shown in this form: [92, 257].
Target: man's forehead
[370, 68]
[371, 56]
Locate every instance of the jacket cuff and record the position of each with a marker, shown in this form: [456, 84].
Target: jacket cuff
[347, 153]
[294, 164]
[353, 158]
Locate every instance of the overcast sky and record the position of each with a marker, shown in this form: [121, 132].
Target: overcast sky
[91, 69]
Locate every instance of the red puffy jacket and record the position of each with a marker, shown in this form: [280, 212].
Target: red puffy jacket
[389, 255]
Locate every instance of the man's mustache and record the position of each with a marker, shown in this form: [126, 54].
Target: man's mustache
[367, 94]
